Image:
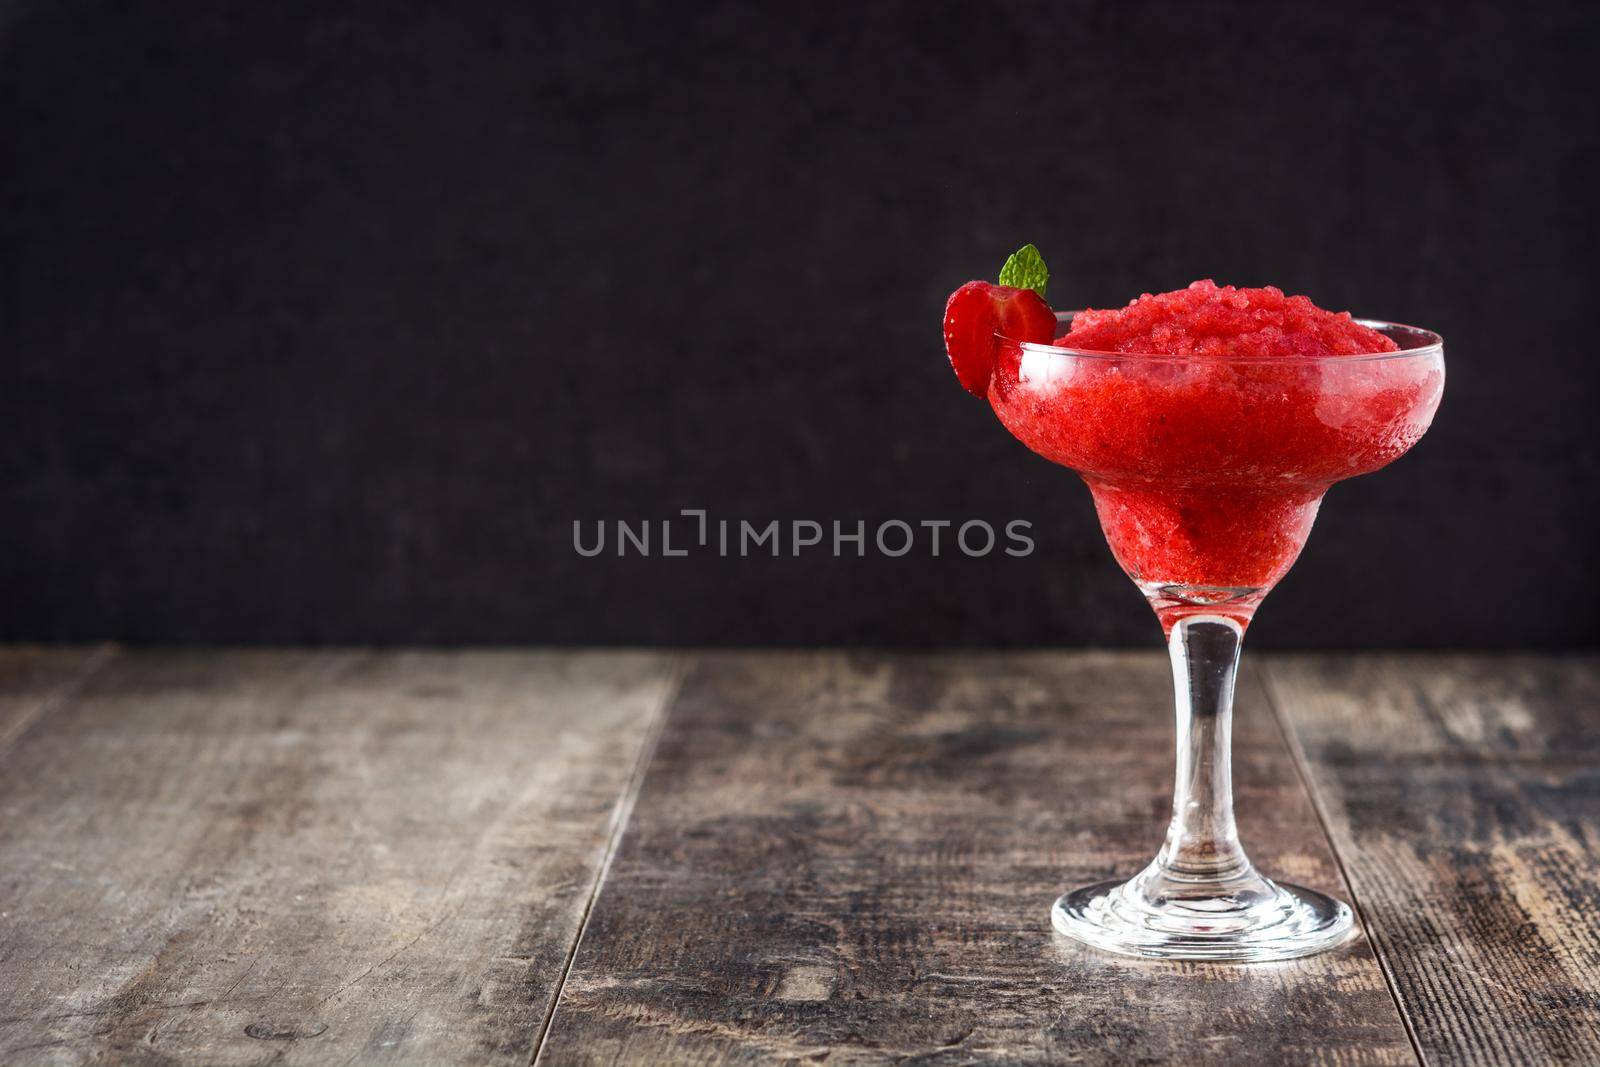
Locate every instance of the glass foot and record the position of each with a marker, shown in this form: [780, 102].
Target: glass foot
[1250, 919]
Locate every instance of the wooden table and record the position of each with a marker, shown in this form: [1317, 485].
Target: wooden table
[242, 857]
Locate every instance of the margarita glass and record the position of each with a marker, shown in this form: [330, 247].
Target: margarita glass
[1207, 473]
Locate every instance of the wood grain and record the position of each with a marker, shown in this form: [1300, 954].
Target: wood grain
[850, 859]
[35, 680]
[1463, 794]
[310, 858]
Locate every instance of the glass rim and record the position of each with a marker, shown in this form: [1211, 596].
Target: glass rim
[1428, 344]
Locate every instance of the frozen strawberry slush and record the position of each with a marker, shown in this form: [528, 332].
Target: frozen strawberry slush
[1209, 422]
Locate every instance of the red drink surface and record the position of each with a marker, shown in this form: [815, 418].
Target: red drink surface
[1221, 321]
[1211, 427]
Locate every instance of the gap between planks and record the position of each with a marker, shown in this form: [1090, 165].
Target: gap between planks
[58, 697]
[1302, 767]
[621, 815]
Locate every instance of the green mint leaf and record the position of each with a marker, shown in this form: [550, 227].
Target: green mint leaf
[1025, 269]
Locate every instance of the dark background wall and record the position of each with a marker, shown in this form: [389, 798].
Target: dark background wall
[323, 322]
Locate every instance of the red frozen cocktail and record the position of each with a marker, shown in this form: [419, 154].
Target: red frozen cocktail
[1208, 423]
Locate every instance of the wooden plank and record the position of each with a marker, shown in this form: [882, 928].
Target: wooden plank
[851, 859]
[310, 857]
[35, 679]
[1463, 794]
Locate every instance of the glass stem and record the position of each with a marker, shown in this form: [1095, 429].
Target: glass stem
[1202, 845]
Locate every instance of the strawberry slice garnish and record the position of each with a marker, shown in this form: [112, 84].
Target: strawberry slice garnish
[976, 313]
